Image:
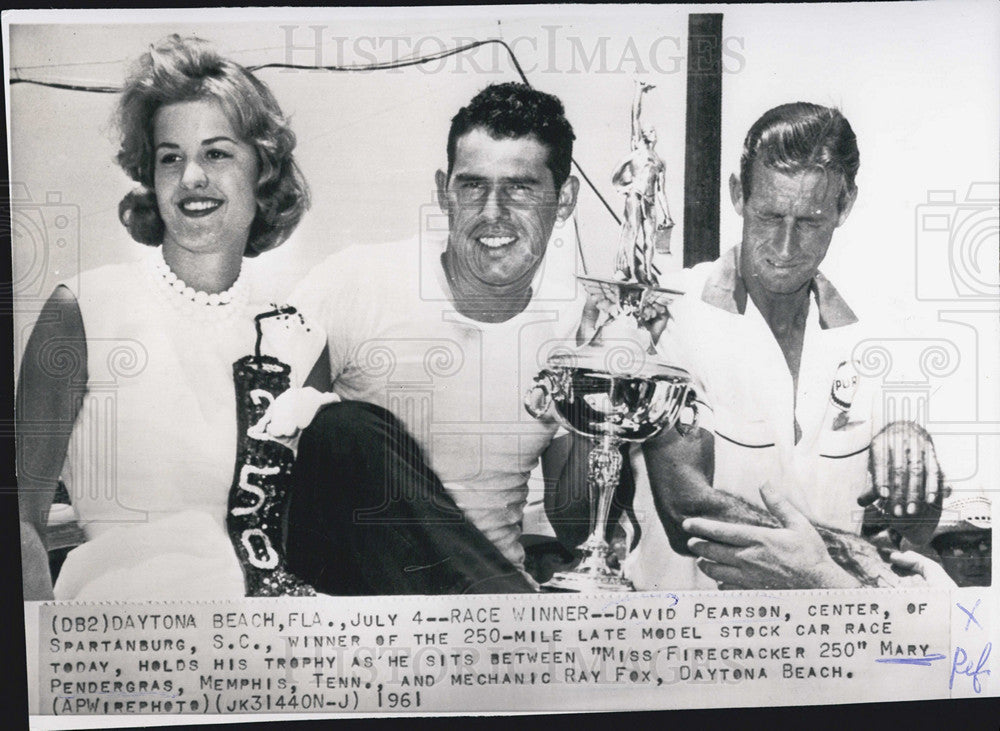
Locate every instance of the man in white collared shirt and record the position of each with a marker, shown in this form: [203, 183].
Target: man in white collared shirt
[788, 428]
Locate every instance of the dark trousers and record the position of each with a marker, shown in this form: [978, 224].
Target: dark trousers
[367, 515]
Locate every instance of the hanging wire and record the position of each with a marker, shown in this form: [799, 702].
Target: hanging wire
[68, 87]
[348, 68]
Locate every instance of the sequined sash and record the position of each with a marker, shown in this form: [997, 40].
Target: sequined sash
[258, 496]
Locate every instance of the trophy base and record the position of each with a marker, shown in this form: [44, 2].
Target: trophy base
[592, 575]
[586, 583]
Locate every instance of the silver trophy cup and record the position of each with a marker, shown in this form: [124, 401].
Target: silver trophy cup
[614, 395]
[610, 407]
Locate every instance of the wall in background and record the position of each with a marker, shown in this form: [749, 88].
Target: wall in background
[917, 81]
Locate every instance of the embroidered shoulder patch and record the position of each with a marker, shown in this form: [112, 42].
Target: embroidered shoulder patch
[844, 386]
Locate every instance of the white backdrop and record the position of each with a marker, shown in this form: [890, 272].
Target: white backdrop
[919, 83]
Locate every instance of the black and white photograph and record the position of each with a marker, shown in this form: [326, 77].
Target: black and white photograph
[335, 329]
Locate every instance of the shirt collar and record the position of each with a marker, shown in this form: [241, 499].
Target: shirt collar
[725, 290]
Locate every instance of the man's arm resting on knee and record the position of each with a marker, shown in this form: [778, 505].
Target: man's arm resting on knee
[50, 393]
[681, 468]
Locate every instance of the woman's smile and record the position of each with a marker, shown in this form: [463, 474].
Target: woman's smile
[197, 207]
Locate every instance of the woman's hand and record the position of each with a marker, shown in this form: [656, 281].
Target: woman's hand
[604, 305]
[601, 307]
[289, 414]
[654, 313]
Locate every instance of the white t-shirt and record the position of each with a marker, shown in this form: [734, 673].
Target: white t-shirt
[719, 336]
[396, 340]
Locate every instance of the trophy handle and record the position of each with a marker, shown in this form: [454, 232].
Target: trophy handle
[690, 401]
[539, 397]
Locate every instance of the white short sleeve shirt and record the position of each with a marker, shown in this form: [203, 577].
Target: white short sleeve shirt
[751, 408]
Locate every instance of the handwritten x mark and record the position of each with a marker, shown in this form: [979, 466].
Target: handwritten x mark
[970, 614]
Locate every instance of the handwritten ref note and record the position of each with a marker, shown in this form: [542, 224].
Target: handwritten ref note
[972, 629]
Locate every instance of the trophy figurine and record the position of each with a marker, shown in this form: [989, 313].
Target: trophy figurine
[641, 178]
[646, 229]
[618, 392]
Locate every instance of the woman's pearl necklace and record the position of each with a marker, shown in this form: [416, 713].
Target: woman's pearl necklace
[186, 292]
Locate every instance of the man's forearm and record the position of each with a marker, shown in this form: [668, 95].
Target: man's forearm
[689, 495]
[680, 472]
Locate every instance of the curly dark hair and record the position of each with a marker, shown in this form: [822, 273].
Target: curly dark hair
[516, 110]
[800, 136]
[186, 69]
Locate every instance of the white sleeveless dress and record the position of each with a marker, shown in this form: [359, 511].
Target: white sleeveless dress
[152, 453]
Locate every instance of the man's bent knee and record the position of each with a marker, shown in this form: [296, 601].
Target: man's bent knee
[346, 423]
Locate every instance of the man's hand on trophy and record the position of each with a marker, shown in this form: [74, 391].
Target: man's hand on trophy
[654, 313]
[741, 556]
[289, 414]
[907, 484]
[603, 305]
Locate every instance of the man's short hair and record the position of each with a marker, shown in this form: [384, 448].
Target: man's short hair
[516, 110]
[802, 136]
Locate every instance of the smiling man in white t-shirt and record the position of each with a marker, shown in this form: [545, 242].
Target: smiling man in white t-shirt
[417, 482]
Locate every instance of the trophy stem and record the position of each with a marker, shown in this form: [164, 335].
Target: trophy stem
[593, 572]
[604, 467]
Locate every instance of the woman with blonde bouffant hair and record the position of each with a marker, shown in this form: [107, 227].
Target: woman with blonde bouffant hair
[137, 367]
